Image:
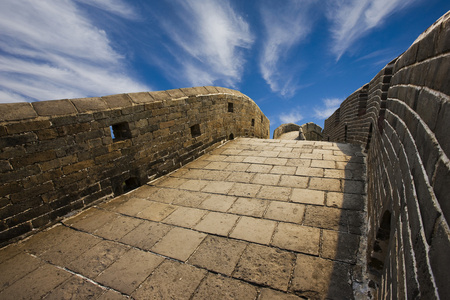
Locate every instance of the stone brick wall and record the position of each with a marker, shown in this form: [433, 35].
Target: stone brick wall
[312, 132]
[308, 131]
[60, 156]
[283, 128]
[402, 119]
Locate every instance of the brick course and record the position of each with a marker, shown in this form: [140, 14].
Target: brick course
[58, 156]
[401, 117]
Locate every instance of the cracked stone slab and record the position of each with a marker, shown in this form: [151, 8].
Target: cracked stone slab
[340, 246]
[266, 266]
[32, 286]
[254, 230]
[185, 217]
[98, 258]
[146, 235]
[220, 287]
[217, 223]
[130, 270]
[297, 238]
[218, 203]
[171, 280]
[308, 196]
[218, 254]
[76, 288]
[249, 207]
[318, 278]
[286, 212]
[179, 243]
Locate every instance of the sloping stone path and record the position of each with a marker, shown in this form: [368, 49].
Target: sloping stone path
[254, 219]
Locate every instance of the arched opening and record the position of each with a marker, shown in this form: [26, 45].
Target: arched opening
[231, 136]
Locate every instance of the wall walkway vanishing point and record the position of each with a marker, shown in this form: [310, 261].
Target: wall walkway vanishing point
[308, 131]
[60, 156]
[402, 119]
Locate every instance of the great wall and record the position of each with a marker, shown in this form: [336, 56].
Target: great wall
[185, 183]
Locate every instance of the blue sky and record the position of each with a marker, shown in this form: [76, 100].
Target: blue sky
[297, 60]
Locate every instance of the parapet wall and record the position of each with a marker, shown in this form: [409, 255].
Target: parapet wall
[60, 156]
[402, 119]
[312, 132]
[284, 128]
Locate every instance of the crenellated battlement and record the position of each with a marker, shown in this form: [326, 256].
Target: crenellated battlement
[64, 155]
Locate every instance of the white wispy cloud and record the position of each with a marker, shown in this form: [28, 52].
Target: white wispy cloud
[328, 108]
[50, 50]
[352, 19]
[209, 39]
[294, 116]
[286, 25]
[117, 7]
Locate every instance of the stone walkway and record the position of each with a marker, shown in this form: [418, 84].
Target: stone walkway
[254, 219]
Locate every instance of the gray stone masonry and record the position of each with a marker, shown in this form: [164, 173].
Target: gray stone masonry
[59, 156]
[402, 119]
[246, 221]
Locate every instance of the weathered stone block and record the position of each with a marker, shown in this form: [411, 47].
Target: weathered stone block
[211, 89]
[34, 158]
[442, 123]
[427, 45]
[437, 74]
[84, 105]
[78, 166]
[315, 277]
[46, 134]
[5, 166]
[176, 93]
[424, 273]
[15, 140]
[141, 98]
[194, 91]
[266, 266]
[117, 101]
[441, 187]
[439, 258]
[27, 126]
[171, 280]
[160, 96]
[54, 108]
[16, 111]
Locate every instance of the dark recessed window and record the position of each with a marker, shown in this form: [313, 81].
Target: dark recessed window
[231, 137]
[345, 134]
[230, 107]
[253, 122]
[195, 130]
[120, 131]
[130, 184]
[262, 119]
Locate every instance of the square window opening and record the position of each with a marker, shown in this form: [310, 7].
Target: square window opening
[230, 107]
[120, 131]
[253, 122]
[195, 130]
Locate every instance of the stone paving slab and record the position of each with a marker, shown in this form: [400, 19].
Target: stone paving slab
[253, 219]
